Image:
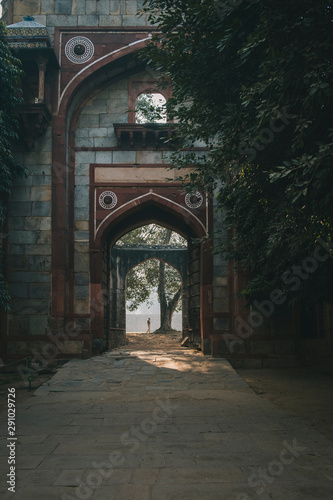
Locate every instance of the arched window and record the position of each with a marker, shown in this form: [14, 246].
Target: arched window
[150, 108]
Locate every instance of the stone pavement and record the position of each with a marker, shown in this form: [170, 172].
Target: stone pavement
[163, 424]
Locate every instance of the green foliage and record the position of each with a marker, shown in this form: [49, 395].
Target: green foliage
[150, 108]
[10, 74]
[253, 79]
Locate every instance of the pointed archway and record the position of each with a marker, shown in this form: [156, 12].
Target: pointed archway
[108, 298]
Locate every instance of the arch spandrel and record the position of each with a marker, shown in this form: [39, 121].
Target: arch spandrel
[185, 220]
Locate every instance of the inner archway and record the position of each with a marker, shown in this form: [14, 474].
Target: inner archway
[149, 259]
[154, 298]
[119, 260]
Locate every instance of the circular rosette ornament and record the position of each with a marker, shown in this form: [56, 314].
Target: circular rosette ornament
[194, 200]
[108, 200]
[79, 49]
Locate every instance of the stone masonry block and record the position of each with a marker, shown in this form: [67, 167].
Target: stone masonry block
[81, 196]
[81, 279]
[19, 208]
[56, 20]
[20, 194]
[44, 238]
[17, 249]
[28, 277]
[81, 292]
[38, 158]
[102, 142]
[38, 223]
[91, 7]
[131, 7]
[85, 157]
[82, 169]
[16, 262]
[41, 180]
[31, 306]
[18, 290]
[37, 249]
[81, 180]
[84, 142]
[104, 157]
[150, 157]
[115, 6]
[81, 247]
[23, 181]
[41, 208]
[30, 7]
[23, 237]
[87, 121]
[103, 8]
[81, 132]
[38, 324]
[133, 20]
[98, 132]
[91, 20]
[81, 306]
[82, 213]
[15, 223]
[109, 20]
[81, 225]
[124, 157]
[47, 7]
[81, 235]
[41, 193]
[39, 263]
[39, 291]
[81, 262]
[63, 6]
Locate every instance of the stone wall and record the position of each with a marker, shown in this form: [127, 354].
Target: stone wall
[52, 13]
[29, 241]
[95, 130]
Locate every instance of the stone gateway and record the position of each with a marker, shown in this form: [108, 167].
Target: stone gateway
[94, 174]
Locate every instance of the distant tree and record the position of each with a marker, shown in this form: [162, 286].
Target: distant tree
[254, 80]
[150, 108]
[10, 96]
[154, 274]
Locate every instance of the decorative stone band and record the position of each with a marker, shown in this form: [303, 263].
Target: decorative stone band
[26, 32]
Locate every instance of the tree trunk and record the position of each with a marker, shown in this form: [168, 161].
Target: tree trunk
[166, 309]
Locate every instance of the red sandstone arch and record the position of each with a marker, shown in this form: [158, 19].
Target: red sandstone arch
[121, 224]
[152, 199]
[63, 160]
[73, 98]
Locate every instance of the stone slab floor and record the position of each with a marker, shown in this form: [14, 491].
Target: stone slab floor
[163, 424]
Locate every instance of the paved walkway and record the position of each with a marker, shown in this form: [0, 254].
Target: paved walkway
[165, 424]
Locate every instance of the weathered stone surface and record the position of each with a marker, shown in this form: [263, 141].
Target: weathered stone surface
[41, 208]
[19, 290]
[62, 6]
[81, 292]
[39, 193]
[40, 291]
[37, 250]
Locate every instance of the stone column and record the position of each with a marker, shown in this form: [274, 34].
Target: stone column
[41, 61]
